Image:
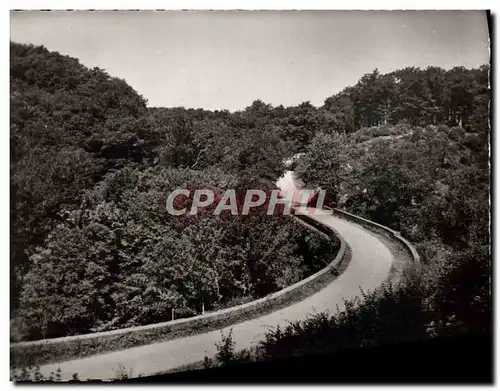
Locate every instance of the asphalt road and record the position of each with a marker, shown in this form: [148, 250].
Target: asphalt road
[369, 267]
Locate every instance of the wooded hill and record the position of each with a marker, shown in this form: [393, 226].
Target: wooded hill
[93, 247]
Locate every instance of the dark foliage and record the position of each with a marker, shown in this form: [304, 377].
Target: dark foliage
[93, 246]
[411, 152]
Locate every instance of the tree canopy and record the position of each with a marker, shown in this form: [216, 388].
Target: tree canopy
[93, 247]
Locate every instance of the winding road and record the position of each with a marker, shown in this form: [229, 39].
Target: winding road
[368, 268]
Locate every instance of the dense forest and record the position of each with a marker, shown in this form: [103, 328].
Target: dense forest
[93, 247]
[421, 167]
[432, 184]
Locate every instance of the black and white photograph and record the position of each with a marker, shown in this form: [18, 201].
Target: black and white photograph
[250, 196]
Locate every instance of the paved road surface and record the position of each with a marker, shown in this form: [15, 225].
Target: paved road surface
[369, 268]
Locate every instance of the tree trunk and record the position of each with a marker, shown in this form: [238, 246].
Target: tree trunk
[202, 302]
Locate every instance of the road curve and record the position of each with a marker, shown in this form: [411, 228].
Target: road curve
[368, 268]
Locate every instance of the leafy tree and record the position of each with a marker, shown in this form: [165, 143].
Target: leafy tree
[324, 164]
